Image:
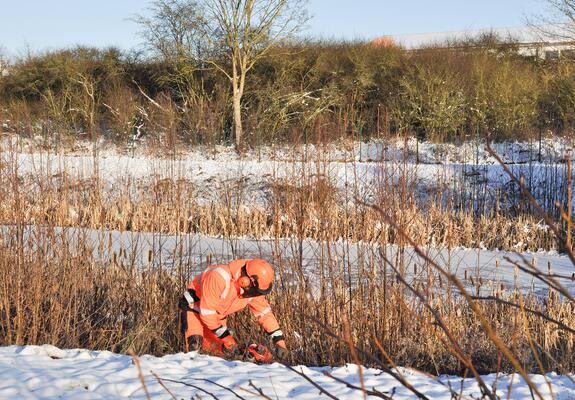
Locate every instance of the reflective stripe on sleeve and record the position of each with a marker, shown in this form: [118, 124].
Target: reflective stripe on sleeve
[224, 274]
[220, 331]
[205, 311]
[189, 297]
[264, 312]
[276, 333]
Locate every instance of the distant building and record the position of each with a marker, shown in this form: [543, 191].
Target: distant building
[530, 42]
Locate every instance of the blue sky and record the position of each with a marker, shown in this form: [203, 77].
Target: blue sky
[51, 24]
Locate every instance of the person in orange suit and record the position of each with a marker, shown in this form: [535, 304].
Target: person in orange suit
[220, 291]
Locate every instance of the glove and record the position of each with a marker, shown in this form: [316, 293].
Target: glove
[230, 344]
[183, 304]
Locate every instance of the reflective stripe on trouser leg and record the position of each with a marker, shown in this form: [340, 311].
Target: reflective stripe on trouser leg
[221, 332]
[277, 335]
[265, 311]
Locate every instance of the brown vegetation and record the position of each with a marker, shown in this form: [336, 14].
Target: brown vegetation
[61, 286]
[297, 93]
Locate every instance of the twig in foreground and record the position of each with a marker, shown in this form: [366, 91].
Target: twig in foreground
[216, 384]
[259, 391]
[385, 369]
[349, 340]
[540, 275]
[489, 330]
[307, 378]
[532, 200]
[193, 386]
[136, 361]
[456, 347]
[162, 385]
[373, 392]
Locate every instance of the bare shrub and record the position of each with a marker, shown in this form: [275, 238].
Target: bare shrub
[125, 112]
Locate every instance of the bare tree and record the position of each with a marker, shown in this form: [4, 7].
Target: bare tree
[245, 30]
[558, 22]
[238, 32]
[174, 31]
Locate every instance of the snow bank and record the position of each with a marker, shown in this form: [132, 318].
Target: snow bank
[212, 174]
[46, 372]
[550, 149]
[495, 268]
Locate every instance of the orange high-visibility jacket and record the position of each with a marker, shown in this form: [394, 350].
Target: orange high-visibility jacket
[219, 297]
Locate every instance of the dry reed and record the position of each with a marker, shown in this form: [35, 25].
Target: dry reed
[62, 282]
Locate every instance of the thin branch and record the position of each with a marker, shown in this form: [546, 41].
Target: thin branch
[392, 363]
[541, 276]
[206, 380]
[561, 368]
[459, 353]
[497, 341]
[136, 361]
[349, 340]
[259, 391]
[148, 97]
[162, 385]
[255, 393]
[534, 351]
[219, 68]
[385, 369]
[303, 375]
[373, 392]
[531, 199]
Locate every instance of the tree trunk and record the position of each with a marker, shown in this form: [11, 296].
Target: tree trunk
[237, 118]
[237, 88]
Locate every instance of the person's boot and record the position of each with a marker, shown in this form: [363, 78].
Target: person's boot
[195, 342]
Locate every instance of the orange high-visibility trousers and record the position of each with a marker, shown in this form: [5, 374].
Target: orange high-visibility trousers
[192, 325]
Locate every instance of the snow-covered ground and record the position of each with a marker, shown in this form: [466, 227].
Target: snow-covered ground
[46, 372]
[550, 150]
[466, 170]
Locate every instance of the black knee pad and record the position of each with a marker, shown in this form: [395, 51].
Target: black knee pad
[195, 342]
